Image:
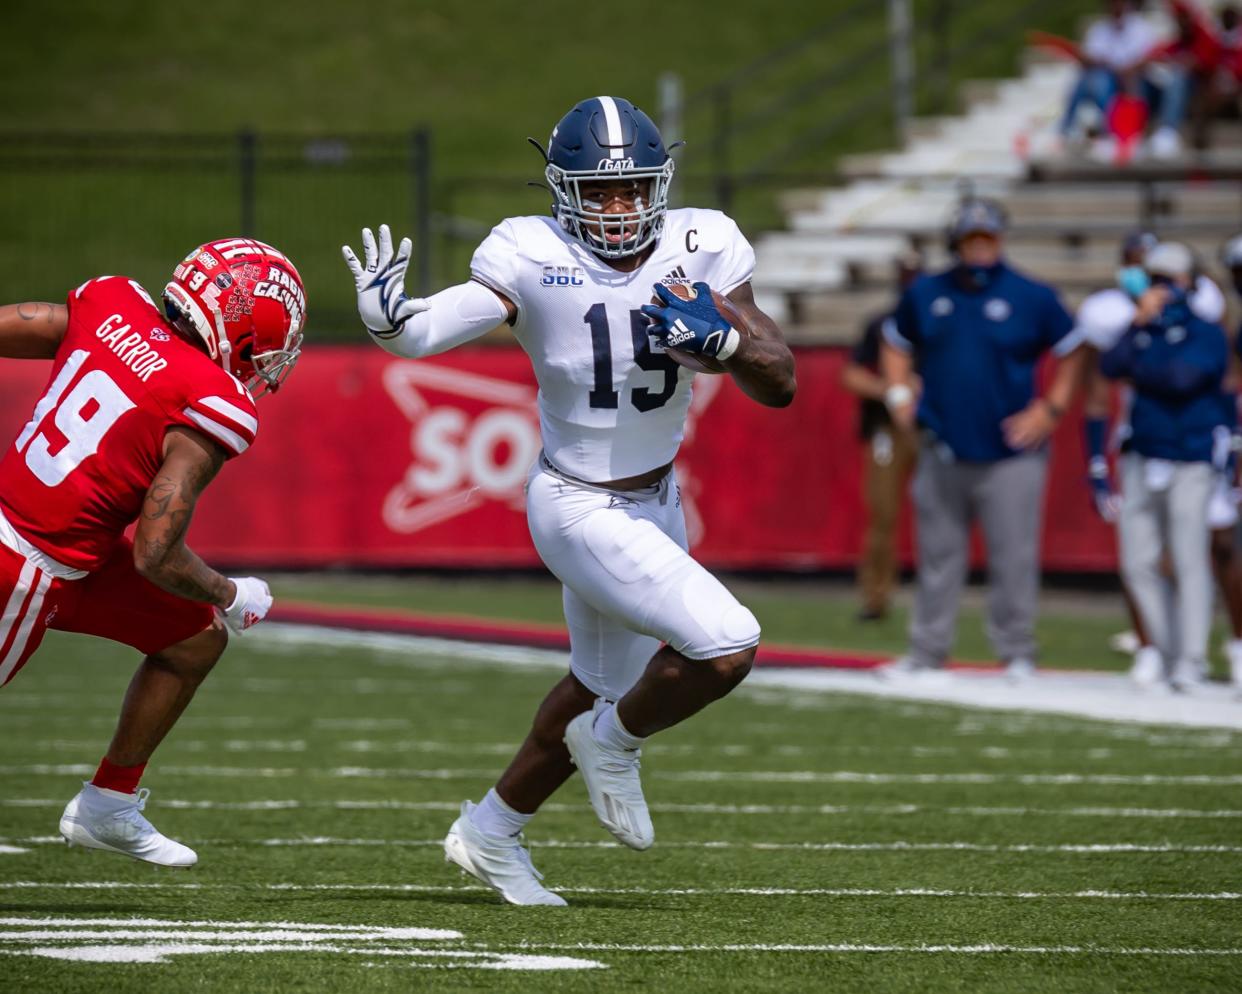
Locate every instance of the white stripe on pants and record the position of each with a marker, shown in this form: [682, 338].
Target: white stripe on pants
[23, 621]
[1172, 518]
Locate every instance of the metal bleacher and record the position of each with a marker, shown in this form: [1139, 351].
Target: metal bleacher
[832, 267]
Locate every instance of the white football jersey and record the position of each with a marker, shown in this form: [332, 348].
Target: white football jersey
[611, 403]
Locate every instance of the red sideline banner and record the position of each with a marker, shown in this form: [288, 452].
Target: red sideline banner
[366, 460]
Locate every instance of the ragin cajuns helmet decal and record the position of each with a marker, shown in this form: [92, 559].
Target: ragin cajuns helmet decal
[246, 301]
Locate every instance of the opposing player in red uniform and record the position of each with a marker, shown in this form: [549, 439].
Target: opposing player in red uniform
[142, 409]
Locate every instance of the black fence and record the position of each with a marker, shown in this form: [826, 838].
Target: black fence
[76, 205]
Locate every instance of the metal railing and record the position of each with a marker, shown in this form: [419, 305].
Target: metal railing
[800, 104]
[78, 204]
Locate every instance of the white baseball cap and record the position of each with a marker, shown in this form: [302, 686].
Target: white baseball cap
[1171, 259]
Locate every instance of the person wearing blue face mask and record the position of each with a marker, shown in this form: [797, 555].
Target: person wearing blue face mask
[975, 334]
[1175, 362]
[1102, 320]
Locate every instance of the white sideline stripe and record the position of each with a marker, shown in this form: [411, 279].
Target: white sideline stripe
[219, 432]
[1078, 700]
[1028, 779]
[852, 947]
[232, 412]
[701, 776]
[658, 891]
[896, 846]
[12, 850]
[706, 809]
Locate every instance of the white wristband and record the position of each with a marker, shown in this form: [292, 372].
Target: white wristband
[731, 342]
[898, 395]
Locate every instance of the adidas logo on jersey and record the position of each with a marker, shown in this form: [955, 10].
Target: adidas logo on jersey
[678, 275]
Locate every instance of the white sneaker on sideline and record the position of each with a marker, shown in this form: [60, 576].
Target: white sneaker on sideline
[99, 818]
[1188, 675]
[1019, 670]
[503, 864]
[1233, 652]
[1147, 669]
[612, 782]
[1127, 642]
[897, 669]
[1166, 143]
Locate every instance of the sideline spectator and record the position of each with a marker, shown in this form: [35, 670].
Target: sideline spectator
[889, 456]
[1102, 319]
[1175, 362]
[1112, 54]
[975, 334]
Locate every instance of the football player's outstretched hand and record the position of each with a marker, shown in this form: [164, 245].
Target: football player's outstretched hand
[382, 303]
[694, 325]
[250, 606]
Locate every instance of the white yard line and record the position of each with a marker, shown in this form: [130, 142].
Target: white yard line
[757, 810]
[693, 776]
[904, 892]
[851, 947]
[722, 845]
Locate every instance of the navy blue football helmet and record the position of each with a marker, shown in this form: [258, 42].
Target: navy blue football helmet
[608, 138]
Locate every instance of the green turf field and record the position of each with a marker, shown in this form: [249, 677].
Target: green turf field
[805, 842]
[1073, 628]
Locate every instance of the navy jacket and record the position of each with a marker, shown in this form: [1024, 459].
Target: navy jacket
[977, 351]
[1176, 365]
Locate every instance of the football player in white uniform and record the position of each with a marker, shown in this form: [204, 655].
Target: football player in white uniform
[654, 636]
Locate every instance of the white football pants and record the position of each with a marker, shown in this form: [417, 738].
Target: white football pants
[629, 582]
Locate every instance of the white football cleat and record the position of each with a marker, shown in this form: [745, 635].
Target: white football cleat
[611, 778]
[503, 864]
[99, 818]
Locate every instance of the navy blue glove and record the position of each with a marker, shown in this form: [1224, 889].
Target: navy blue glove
[692, 325]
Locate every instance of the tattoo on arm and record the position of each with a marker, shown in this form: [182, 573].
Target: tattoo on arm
[166, 560]
[34, 309]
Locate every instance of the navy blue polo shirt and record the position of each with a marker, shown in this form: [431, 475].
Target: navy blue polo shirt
[977, 351]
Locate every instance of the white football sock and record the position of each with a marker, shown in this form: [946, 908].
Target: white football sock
[609, 731]
[492, 816]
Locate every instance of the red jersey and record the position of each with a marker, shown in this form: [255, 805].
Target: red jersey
[75, 477]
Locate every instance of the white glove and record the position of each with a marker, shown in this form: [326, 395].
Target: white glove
[250, 605]
[382, 303]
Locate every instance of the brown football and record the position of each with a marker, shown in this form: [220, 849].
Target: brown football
[691, 360]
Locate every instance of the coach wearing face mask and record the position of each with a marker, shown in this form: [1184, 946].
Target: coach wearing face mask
[974, 334]
[1175, 361]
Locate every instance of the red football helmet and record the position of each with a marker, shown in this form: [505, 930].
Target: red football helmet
[246, 302]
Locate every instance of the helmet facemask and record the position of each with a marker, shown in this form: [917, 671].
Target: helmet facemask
[592, 227]
[272, 368]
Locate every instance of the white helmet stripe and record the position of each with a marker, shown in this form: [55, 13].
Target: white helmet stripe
[613, 119]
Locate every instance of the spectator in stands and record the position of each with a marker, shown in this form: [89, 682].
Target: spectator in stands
[1175, 362]
[1112, 56]
[889, 457]
[1181, 73]
[975, 334]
